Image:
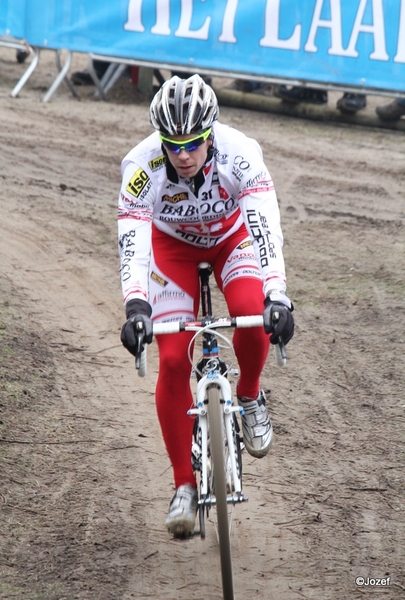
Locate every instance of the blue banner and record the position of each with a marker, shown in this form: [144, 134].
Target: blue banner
[12, 18]
[357, 43]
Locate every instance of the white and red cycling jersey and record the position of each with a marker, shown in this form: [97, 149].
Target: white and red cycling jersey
[233, 190]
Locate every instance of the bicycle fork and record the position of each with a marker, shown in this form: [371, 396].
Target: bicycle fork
[233, 466]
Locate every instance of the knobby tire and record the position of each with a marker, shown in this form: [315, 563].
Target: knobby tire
[218, 459]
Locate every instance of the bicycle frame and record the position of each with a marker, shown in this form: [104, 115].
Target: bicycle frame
[211, 371]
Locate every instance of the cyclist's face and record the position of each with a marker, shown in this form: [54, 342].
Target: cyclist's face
[187, 164]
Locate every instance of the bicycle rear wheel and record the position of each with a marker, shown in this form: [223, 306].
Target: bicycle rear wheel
[216, 426]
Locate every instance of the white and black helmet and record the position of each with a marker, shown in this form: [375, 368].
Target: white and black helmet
[183, 106]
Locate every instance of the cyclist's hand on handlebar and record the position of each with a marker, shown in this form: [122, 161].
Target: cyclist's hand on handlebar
[278, 321]
[138, 328]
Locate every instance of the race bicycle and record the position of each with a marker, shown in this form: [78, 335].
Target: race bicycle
[216, 445]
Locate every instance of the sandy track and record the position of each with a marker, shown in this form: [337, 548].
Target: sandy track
[85, 499]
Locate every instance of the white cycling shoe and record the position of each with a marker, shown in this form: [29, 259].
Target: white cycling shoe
[256, 425]
[183, 507]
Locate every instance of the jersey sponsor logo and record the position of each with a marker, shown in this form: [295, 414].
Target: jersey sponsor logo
[158, 279]
[237, 174]
[137, 182]
[157, 163]
[131, 205]
[241, 163]
[216, 208]
[240, 272]
[198, 240]
[256, 190]
[260, 177]
[222, 159]
[179, 317]
[127, 239]
[231, 276]
[244, 244]
[145, 190]
[126, 243]
[263, 221]
[259, 231]
[168, 295]
[241, 256]
[127, 200]
[176, 198]
[166, 219]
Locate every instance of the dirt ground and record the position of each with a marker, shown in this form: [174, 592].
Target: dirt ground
[85, 480]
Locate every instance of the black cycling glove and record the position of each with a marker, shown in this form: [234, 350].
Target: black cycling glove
[278, 321]
[138, 311]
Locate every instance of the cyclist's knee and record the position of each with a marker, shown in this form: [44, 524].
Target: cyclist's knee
[241, 303]
[173, 355]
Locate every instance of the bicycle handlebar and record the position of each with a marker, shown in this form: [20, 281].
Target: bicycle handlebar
[235, 322]
[225, 322]
[177, 327]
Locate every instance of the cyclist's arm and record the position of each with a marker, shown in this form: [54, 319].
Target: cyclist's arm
[135, 210]
[259, 207]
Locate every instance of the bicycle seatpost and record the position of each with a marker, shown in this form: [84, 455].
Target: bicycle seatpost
[204, 272]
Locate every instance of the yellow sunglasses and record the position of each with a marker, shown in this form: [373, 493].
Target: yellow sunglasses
[187, 145]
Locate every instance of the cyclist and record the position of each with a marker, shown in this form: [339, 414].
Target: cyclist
[197, 190]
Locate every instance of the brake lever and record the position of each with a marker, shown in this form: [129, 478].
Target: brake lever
[139, 345]
[279, 348]
[283, 351]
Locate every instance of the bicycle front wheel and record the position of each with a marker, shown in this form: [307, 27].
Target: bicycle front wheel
[215, 416]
